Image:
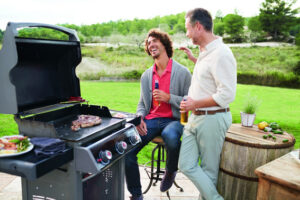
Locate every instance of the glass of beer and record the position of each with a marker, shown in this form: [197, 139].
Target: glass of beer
[183, 114]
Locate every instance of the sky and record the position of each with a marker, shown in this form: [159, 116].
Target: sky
[87, 12]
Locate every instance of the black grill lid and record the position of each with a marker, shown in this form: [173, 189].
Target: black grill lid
[37, 72]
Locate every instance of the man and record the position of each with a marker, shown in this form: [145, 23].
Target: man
[212, 88]
[162, 88]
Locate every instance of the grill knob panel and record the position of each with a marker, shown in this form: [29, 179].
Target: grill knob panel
[121, 147]
[134, 139]
[104, 157]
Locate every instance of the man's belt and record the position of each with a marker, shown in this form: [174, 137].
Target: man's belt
[210, 112]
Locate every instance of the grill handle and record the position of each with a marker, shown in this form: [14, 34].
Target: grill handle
[70, 32]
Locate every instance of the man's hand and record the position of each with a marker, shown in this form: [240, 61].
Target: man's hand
[161, 96]
[142, 128]
[188, 104]
[189, 54]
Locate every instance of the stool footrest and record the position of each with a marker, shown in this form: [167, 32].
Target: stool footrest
[155, 175]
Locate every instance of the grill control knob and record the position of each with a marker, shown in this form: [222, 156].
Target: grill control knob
[104, 157]
[134, 139]
[121, 147]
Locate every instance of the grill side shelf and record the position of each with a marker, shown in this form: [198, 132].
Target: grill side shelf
[130, 117]
[32, 167]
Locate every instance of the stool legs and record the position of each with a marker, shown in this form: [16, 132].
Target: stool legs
[180, 188]
[155, 175]
[152, 173]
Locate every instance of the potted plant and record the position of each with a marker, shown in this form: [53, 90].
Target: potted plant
[249, 109]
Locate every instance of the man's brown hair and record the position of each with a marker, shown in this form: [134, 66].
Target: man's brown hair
[164, 39]
[202, 16]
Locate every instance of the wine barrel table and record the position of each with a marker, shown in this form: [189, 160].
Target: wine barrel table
[280, 179]
[244, 150]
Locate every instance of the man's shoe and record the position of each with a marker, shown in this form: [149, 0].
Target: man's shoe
[136, 197]
[167, 181]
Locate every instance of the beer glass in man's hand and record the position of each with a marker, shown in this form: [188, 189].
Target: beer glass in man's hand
[184, 114]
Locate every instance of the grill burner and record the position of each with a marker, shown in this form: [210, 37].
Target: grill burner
[37, 78]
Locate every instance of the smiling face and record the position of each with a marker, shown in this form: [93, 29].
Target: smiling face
[192, 32]
[155, 47]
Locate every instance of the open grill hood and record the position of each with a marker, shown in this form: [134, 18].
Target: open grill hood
[37, 72]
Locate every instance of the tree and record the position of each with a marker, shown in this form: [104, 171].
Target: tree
[234, 27]
[219, 16]
[179, 28]
[255, 30]
[277, 16]
[138, 39]
[1, 35]
[254, 24]
[298, 42]
[295, 29]
[219, 28]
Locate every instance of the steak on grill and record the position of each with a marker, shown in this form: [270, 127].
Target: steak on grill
[84, 121]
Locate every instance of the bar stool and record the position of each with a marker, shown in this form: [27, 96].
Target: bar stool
[155, 175]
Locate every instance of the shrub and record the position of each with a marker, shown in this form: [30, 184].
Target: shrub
[92, 76]
[134, 74]
[296, 69]
[109, 49]
[297, 40]
[275, 79]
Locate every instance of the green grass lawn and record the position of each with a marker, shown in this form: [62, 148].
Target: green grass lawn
[278, 104]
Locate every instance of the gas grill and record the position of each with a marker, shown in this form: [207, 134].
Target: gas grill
[37, 81]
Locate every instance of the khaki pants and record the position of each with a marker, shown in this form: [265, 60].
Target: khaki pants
[203, 139]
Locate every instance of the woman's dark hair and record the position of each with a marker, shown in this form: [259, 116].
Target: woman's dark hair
[202, 16]
[164, 39]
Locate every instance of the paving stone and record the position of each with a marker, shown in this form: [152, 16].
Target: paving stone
[10, 188]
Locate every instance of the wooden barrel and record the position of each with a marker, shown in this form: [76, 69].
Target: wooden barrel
[245, 150]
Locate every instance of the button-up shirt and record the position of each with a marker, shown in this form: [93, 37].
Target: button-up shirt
[215, 75]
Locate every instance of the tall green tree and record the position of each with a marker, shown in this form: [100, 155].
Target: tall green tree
[277, 16]
[254, 24]
[219, 28]
[234, 27]
[256, 32]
